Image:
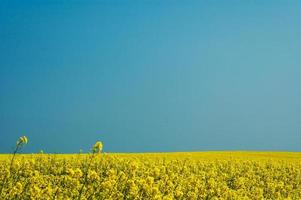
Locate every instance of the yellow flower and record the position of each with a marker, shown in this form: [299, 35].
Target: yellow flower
[19, 186]
[78, 173]
[178, 193]
[97, 148]
[22, 140]
[92, 175]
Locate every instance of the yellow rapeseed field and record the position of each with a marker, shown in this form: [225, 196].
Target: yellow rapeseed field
[199, 175]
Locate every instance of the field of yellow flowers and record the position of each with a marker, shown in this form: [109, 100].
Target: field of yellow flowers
[204, 175]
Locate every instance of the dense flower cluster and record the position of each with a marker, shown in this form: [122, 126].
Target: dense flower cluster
[97, 148]
[22, 140]
[212, 175]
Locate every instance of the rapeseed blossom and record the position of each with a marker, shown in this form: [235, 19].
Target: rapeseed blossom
[22, 140]
[194, 176]
[97, 148]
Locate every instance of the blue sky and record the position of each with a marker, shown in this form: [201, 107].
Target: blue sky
[146, 75]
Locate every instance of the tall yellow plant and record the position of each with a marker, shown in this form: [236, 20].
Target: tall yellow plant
[20, 144]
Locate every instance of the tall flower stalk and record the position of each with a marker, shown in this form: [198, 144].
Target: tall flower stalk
[20, 144]
[97, 149]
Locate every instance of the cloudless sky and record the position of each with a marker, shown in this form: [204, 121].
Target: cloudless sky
[150, 75]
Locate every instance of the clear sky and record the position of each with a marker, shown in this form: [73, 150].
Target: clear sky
[150, 75]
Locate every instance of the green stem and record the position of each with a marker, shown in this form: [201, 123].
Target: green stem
[85, 177]
[10, 167]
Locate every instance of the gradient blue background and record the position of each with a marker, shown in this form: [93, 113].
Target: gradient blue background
[150, 75]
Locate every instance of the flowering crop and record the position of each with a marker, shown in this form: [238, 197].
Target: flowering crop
[206, 175]
[216, 175]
